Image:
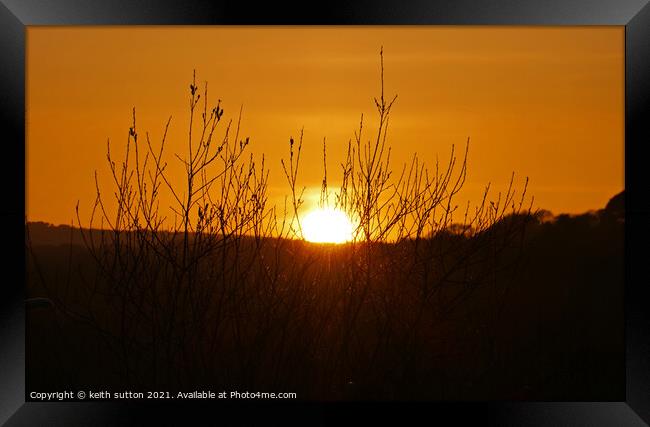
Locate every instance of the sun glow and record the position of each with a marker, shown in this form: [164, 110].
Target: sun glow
[327, 226]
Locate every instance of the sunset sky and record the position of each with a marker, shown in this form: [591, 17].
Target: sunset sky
[544, 102]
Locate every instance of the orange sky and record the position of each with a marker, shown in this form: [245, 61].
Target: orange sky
[544, 102]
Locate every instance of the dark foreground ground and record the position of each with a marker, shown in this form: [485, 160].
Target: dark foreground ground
[541, 318]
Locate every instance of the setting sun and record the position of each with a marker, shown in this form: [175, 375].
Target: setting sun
[327, 226]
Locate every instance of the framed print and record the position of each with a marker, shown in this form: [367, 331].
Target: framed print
[423, 208]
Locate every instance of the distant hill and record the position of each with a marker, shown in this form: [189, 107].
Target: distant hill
[43, 233]
[616, 205]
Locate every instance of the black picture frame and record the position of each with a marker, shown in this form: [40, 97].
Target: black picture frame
[16, 15]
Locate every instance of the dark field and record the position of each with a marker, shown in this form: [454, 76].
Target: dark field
[530, 308]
